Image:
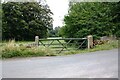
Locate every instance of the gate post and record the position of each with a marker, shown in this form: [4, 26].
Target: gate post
[37, 40]
[90, 41]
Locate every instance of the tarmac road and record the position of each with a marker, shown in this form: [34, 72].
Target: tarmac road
[100, 64]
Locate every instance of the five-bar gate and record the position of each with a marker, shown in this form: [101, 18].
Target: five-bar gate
[62, 44]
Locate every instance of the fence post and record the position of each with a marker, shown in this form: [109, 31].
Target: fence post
[37, 40]
[90, 41]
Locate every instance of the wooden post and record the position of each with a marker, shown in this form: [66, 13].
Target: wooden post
[37, 40]
[90, 41]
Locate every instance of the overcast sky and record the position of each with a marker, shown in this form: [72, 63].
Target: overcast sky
[59, 9]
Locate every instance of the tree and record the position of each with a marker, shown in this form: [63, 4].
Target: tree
[54, 32]
[23, 21]
[0, 22]
[115, 12]
[89, 18]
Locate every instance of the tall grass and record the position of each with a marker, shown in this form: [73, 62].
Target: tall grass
[11, 49]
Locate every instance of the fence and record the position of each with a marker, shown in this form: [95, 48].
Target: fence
[64, 45]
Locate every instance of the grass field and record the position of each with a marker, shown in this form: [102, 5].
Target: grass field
[19, 49]
[107, 46]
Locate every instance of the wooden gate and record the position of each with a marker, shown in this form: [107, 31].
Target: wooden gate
[64, 44]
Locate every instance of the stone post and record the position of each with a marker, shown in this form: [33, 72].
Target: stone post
[37, 40]
[90, 41]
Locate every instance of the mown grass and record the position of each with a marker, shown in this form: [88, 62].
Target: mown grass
[12, 49]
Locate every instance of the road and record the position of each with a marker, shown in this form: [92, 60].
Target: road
[100, 64]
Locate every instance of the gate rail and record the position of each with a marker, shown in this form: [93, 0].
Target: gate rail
[39, 42]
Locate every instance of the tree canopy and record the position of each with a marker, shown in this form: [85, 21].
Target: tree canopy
[92, 18]
[24, 21]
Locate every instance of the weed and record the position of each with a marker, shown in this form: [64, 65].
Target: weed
[11, 49]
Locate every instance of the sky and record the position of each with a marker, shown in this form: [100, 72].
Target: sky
[59, 9]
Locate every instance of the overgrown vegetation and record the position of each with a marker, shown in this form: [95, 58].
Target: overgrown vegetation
[24, 21]
[11, 49]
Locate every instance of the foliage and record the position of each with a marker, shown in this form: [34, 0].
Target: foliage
[23, 21]
[91, 18]
[11, 49]
[0, 22]
[54, 32]
[115, 12]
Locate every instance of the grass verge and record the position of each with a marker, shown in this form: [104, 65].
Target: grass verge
[107, 46]
[11, 49]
